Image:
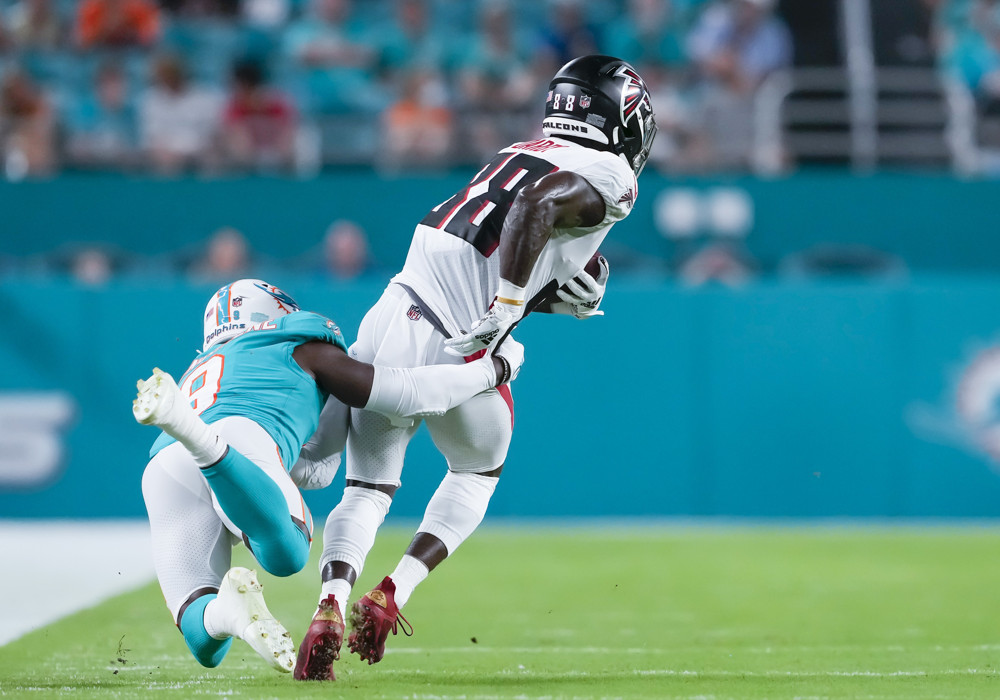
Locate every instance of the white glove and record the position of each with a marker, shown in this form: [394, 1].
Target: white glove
[513, 352]
[486, 331]
[584, 296]
[310, 475]
[319, 458]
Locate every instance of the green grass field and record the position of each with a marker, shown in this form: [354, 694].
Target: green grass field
[699, 613]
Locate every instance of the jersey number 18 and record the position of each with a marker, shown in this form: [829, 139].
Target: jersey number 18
[476, 213]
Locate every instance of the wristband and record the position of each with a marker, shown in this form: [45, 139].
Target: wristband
[510, 294]
[506, 370]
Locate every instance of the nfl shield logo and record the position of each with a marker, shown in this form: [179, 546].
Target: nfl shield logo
[584, 101]
[414, 313]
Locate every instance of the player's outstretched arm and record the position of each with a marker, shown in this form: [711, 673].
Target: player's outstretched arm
[562, 200]
[406, 392]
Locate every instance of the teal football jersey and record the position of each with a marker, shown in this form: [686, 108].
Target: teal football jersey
[254, 376]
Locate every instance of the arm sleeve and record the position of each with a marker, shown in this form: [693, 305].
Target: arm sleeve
[320, 456]
[430, 390]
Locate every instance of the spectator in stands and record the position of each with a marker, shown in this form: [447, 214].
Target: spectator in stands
[260, 123]
[842, 260]
[418, 126]
[6, 41]
[409, 41]
[101, 128]
[345, 250]
[721, 261]
[735, 46]
[226, 257]
[201, 8]
[496, 86]
[680, 143]
[178, 122]
[266, 16]
[27, 127]
[117, 23]
[336, 56]
[34, 24]
[648, 34]
[974, 54]
[567, 34]
[971, 57]
[91, 266]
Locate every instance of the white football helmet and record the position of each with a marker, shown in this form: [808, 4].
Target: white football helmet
[237, 306]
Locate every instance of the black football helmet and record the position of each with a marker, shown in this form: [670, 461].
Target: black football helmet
[603, 103]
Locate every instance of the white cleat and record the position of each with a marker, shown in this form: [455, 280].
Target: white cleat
[240, 611]
[157, 400]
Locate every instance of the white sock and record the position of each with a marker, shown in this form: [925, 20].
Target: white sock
[457, 507]
[208, 452]
[198, 437]
[351, 526]
[216, 624]
[408, 574]
[340, 589]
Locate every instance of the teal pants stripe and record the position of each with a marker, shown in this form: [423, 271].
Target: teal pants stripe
[257, 506]
[206, 649]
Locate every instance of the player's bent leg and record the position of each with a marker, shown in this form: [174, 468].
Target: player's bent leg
[255, 493]
[474, 438]
[256, 505]
[454, 512]
[191, 547]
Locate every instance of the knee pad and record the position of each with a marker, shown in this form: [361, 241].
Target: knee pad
[351, 526]
[457, 507]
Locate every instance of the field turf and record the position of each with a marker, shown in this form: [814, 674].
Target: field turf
[667, 612]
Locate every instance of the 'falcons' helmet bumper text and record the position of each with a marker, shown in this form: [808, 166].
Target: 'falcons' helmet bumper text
[602, 102]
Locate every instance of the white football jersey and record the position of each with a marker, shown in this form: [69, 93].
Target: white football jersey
[452, 266]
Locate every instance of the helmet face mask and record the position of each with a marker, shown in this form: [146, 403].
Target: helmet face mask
[648, 134]
[238, 307]
[602, 102]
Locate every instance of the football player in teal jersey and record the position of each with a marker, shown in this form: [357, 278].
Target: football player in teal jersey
[239, 440]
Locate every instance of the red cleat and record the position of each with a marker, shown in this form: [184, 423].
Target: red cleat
[321, 646]
[372, 618]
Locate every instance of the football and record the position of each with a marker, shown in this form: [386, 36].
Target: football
[592, 268]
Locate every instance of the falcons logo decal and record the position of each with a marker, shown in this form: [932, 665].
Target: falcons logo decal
[634, 96]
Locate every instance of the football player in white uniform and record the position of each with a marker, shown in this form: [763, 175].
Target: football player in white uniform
[518, 236]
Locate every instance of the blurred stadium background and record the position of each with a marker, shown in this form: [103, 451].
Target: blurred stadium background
[802, 305]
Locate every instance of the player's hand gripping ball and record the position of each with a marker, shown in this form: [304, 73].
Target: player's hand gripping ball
[581, 296]
[585, 291]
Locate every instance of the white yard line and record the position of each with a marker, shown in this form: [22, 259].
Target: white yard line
[52, 568]
[687, 673]
[612, 651]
